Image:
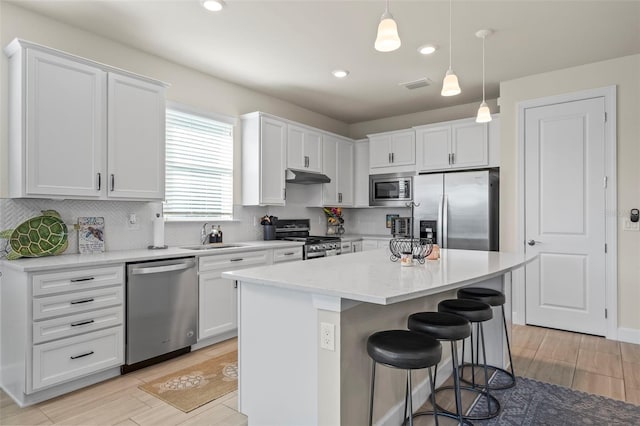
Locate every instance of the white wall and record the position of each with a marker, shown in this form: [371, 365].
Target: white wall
[624, 73]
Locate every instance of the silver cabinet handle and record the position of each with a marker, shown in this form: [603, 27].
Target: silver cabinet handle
[289, 253]
[453, 158]
[340, 197]
[393, 157]
[82, 355]
[113, 182]
[76, 324]
[77, 302]
[533, 242]
[99, 181]
[80, 280]
[237, 259]
[389, 158]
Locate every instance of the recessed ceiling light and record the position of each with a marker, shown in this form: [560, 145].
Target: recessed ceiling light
[213, 5]
[427, 49]
[340, 73]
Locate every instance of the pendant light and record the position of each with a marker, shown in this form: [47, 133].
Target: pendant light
[484, 114]
[450, 86]
[387, 39]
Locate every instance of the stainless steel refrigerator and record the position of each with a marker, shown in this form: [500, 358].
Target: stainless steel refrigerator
[459, 210]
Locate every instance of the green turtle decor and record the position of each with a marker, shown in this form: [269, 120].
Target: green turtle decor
[44, 235]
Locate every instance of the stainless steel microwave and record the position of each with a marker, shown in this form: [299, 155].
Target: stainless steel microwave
[393, 190]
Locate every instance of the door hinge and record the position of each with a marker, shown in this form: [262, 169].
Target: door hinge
[605, 248]
[605, 181]
[606, 314]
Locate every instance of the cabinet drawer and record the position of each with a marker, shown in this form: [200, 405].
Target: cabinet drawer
[230, 261]
[67, 359]
[287, 254]
[78, 279]
[345, 247]
[72, 325]
[81, 301]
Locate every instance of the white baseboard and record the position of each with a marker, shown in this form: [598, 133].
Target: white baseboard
[629, 335]
[420, 393]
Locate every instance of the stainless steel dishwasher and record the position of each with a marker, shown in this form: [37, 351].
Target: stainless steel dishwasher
[162, 310]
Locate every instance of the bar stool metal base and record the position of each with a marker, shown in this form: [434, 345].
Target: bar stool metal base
[492, 402]
[509, 385]
[439, 414]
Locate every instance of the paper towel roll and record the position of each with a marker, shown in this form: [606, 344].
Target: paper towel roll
[158, 231]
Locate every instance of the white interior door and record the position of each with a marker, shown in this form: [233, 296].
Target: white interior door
[565, 215]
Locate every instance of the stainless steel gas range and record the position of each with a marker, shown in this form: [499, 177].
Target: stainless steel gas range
[314, 246]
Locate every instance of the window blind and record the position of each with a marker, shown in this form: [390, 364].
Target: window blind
[199, 167]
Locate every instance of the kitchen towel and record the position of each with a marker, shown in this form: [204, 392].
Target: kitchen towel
[158, 231]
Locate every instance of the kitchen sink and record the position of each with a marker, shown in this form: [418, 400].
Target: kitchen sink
[211, 246]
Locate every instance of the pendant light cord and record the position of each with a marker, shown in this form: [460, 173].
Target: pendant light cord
[450, 39]
[483, 68]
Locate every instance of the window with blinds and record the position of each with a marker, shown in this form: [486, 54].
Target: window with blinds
[199, 167]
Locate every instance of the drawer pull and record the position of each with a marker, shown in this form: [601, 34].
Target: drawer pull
[290, 253]
[79, 280]
[76, 302]
[75, 324]
[237, 259]
[82, 355]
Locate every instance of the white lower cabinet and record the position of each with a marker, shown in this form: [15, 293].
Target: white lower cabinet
[375, 243]
[356, 246]
[288, 254]
[345, 247]
[61, 360]
[217, 301]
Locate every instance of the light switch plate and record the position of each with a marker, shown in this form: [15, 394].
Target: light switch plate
[631, 226]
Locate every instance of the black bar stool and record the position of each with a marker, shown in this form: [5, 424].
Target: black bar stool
[406, 350]
[493, 298]
[451, 328]
[476, 313]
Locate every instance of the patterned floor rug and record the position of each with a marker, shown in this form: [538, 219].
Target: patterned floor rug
[192, 387]
[533, 403]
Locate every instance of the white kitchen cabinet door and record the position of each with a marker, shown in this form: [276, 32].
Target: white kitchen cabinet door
[345, 247]
[218, 305]
[65, 128]
[361, 173]
[392, 152]
[330, 168]
[469, 145]
[304, 149]
[369, 245]
[433, 148]
[345, 173]
[136, 139]
[273, 139]
[356, 246]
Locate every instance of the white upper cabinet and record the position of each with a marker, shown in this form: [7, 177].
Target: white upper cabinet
[338, 165]
[136, 135]
[264, 141]
[392, 152]
[304, 149]
[77, 126]
[460, 144]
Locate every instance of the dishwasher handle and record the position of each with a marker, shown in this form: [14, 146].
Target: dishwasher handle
[164, 268]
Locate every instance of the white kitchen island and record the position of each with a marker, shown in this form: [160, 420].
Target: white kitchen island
[287, 377]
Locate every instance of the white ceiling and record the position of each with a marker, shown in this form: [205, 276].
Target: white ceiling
[288, 49]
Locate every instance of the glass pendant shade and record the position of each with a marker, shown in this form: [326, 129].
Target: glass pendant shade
[484, 114]
[450, 86]
[388, 39]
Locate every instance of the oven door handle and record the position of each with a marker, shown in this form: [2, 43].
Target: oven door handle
[165, 268]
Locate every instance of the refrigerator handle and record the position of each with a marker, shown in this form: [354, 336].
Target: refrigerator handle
[445, 224]
[440, 227]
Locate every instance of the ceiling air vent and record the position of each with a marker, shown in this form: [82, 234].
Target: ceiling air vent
[416, 84]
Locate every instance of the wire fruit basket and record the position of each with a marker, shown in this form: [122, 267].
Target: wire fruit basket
[420, 248]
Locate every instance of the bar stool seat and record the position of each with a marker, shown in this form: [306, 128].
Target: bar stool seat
[492, 298]
[472, 310]
[403, 349]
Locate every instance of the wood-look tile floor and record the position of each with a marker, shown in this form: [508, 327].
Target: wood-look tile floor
[582, 362]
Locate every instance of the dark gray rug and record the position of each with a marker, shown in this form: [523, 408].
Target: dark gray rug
[535, 403]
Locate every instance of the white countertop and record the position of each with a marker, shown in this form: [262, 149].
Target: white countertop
[371, 277]
[120, 256]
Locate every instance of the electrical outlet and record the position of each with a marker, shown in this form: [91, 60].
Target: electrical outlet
[132, 221]
[328, 336]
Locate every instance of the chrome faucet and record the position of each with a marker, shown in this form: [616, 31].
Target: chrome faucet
[204, 234]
